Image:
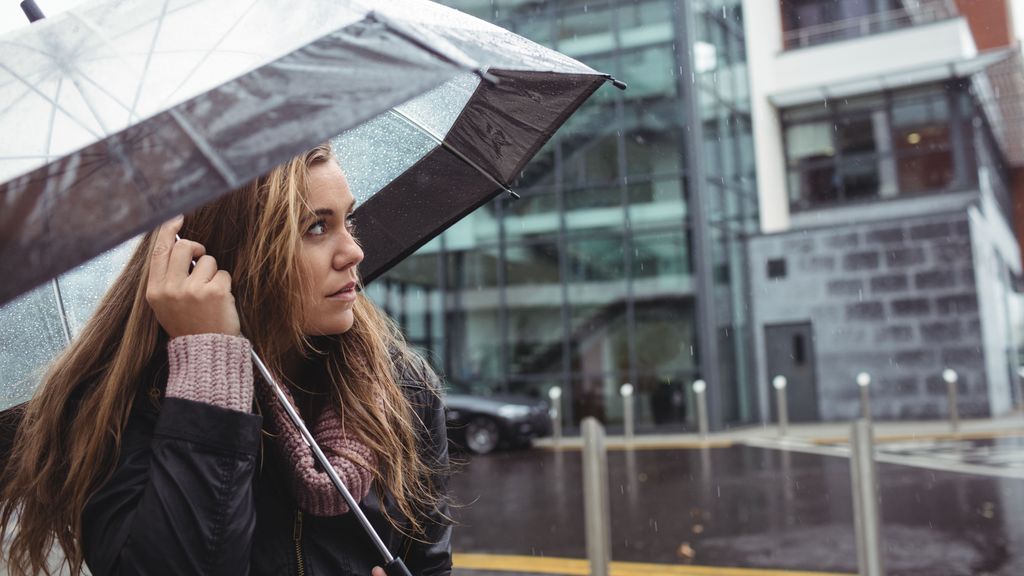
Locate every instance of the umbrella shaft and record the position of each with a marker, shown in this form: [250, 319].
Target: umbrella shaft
[321, 457]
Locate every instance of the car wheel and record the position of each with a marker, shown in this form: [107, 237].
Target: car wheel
[482, 435]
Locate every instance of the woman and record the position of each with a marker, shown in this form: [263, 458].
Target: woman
[150, 449]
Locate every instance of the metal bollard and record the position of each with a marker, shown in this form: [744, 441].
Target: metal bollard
[779, 383]
[866, 515]
[1018, 384]
[951, 378]
[555, 395]
[596, 508]
[626, 390]
[864, 381]
[699, 389]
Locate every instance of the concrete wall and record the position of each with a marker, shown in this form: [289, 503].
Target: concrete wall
[762, 22]
[896, 298]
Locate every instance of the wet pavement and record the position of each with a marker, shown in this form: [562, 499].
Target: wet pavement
[748, 507]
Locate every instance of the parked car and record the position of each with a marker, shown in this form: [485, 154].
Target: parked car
[481, 424]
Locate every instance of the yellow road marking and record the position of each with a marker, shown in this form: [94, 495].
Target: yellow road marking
[577, 567]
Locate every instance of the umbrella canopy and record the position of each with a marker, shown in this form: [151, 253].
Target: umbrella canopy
[127, 112]
[120, 122]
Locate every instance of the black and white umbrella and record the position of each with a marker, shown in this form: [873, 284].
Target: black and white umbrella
[121, 113]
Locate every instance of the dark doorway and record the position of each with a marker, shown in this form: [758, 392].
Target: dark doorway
[789, 349]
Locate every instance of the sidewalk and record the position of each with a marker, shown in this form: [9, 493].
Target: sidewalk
[822, 433]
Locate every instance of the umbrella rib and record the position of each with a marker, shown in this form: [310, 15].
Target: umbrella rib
[149, 58]
[50, 100]
[225, 171]
[458, 154]
[64, 324]
[209, 52]
[53, 116]
[108, 94]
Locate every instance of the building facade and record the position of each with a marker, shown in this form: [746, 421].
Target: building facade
[624, 260]
[888, 138]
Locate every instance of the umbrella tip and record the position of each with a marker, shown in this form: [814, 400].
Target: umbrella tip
[617, 83]
[31, 10]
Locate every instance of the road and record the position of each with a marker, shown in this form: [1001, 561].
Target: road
[753, 508]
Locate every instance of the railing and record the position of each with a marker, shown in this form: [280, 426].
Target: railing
[913, 14]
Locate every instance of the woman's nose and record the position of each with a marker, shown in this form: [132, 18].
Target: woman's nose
[348, 253]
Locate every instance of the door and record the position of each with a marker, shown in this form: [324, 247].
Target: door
[789, 349]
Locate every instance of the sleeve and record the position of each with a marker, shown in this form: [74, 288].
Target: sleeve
[180, 500]
[433, 556]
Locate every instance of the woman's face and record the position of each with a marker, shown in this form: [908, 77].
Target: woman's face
[328, 254]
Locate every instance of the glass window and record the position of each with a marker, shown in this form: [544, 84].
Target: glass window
[666, 335]
[473, 269]
[593, 197]
[534, 337]
[590, 144]
[582, 32]
[535, 213]
[921, 127]
[661, 255]
[595, 258]
[656, 202]
[652, 141]
[880, 145]
[477, 349]
[809, 143]
[600, 338]
[532, 263]
[813, 186]
[651, 72]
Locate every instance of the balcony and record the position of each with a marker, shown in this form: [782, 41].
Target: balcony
[815, 22]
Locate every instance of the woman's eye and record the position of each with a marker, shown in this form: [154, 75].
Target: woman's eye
[350, 222]
[319, 227]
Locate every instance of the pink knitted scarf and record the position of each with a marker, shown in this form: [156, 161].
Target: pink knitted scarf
[312, 487]
[216, 369]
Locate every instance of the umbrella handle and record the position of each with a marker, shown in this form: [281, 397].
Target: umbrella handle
[397, 568]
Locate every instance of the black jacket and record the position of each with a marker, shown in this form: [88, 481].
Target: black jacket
[192, 494]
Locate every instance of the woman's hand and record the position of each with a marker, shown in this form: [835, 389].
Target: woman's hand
[378, 571]
[184, 303]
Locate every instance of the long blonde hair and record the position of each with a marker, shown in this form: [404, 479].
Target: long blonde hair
[70, 434]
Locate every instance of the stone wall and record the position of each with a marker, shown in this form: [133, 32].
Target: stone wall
[895, 298]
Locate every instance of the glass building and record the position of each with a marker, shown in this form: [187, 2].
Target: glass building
[623, 260]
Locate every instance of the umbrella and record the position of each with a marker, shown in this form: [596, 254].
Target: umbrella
[128, 112]
[136, 150]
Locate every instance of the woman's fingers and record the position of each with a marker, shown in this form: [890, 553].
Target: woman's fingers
[182, 255]
[162, 248]
[205, 268]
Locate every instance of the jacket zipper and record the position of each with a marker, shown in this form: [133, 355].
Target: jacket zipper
[300, 565]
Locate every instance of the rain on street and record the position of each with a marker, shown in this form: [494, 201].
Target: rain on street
[753, 507]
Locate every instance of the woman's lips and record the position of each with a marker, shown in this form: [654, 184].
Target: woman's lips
[347, 293]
